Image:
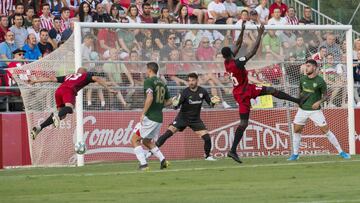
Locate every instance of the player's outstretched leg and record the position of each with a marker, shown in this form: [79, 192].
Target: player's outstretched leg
[67, 109]
[37, 129]
[244, 120]
[333, 140]
[162, 139]
[282, 95]
[156, 151]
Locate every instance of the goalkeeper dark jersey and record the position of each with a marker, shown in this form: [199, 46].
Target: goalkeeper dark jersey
[190, 103]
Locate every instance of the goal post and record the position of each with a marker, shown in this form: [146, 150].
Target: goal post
[105, 122]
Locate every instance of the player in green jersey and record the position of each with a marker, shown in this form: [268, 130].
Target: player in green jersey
[156, 97]
[314, 86]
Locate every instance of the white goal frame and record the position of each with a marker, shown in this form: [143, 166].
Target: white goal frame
[349, 45]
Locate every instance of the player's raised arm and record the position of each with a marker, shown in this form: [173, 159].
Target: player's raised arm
[41, 80]
[103, 83]
[240, 39]
[257, 43]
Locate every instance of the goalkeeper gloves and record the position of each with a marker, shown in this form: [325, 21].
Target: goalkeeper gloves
[215, 100]
[175, 100]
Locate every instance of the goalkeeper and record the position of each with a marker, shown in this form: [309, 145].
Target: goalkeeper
[190, 100]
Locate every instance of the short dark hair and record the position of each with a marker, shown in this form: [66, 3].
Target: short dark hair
[245, 11]
[312, 62]
[63, 9]
[35, 17]
[322, 47]
[145, 4]
[29, 7]
[226, 52]
[19, 4]
[193, 75]
[46, 4]
[154, 67]
[44, 30]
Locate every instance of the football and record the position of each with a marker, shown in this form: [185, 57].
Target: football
[80, 148]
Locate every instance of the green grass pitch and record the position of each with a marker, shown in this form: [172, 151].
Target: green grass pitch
[321, 179]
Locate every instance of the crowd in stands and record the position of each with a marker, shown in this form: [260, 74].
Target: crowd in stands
[30, 30]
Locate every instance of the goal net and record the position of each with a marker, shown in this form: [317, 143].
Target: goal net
[119, 53]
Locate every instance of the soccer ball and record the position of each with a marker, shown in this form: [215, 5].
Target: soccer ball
[80, 148]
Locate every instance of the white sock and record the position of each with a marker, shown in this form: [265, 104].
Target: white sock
[296, 143]
[156, 151]
[139, 152]
[334, 141]
[89, 103]
[102, 103]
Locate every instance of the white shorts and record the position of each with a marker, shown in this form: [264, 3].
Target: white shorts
[147, 129]
[316, 116]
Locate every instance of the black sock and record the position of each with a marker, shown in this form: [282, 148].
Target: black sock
[207, 144]
[162, 139]
[65, 110]
[47, 122]
[282, 95]
[238, 135]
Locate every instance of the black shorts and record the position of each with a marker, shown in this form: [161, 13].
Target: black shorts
[195, 125]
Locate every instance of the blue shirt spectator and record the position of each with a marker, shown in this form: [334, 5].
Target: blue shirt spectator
[6, 48]
[31, 48]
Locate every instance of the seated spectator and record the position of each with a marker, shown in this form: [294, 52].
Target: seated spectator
[29, 16]
[85, 14]
[3, 28]
[250, 3]
[31, 48]
[65, 35]
[114, 13]
[19, 9]
[254, 18]
[148, 48]
[135, 68]
[165, 15]
[263, 12]
[172, 69]
[164, 52]
[35, 28]
[183, 15]
[18, 62]
[212, 35]
[44, 45]
[193, 8]
[127, 40]
[107, 39]
[65, 19]
[272, 44]
[306, 19]
[355, 50]
[46, 18]
[217, 11]
[288, 38]
[319, 57]
[231, 9]
[100, 15]
[19, 31]
[331, 46]
[205, 52]
[356, 74]
[6, 49]
[278, 4]
[300, 51]
[87, 47]
[133, 14]
[276, 18]
[291, 18]
[4, 9]
[146, 16]
[54, 33]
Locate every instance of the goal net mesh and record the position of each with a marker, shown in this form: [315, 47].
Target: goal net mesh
[119, 55]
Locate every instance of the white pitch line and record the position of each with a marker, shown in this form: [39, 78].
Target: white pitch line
[177, 170]
[332, 201]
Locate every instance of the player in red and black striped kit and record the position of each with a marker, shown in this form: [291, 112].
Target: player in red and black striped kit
[65, 95]
[243, 91]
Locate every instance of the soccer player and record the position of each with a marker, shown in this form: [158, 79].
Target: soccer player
[243, 92]
[191, 100]
[156, 97]
[313, 85]
[65, 95]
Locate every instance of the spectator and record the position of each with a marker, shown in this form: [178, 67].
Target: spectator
[44, 45]
[6, 49]
[356, 74]
[85, 12]
[6, 7]
[263, 12]
[19, 31]
[19, 9]
[100, 15]
[194, 36]
[18, 62]
[272, 44]
[127, 40]
[205, 52]
[250, 3]
[301, 53]
[133, 14]
[87, 47]
[35, 28]
[217, 11]
[287, 38]
[65, 35]
[248, 37]
[54, 33]
[31, 48]
[277, 19]
[291, 18]
[307, 17]
[148, 49]
[159, 36]
[46, 18]
[107, 39]
[122, 15]
[278, 4]
[114, 13]
[218, 45]
[183, 15]
[164, 52]
[193, 7]
[65, 19]
[331, 46]
[172, 69]
[29, 16]
[3, 28]
[146, 16]
[355, 50]
[319, 57]
[135, 68]
[254, 18]
[212, 34]
[165, 15]
[231, 9]
[139, 4]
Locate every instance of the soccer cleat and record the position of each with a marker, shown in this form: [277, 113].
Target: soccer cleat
[210, 158]
[344, 155]
[303, 99]
[34, 132]
[56, 120]
[164, 164]
[234, 156]
[144, 167]
[226, 105]
[293, 157]
[148, 154]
